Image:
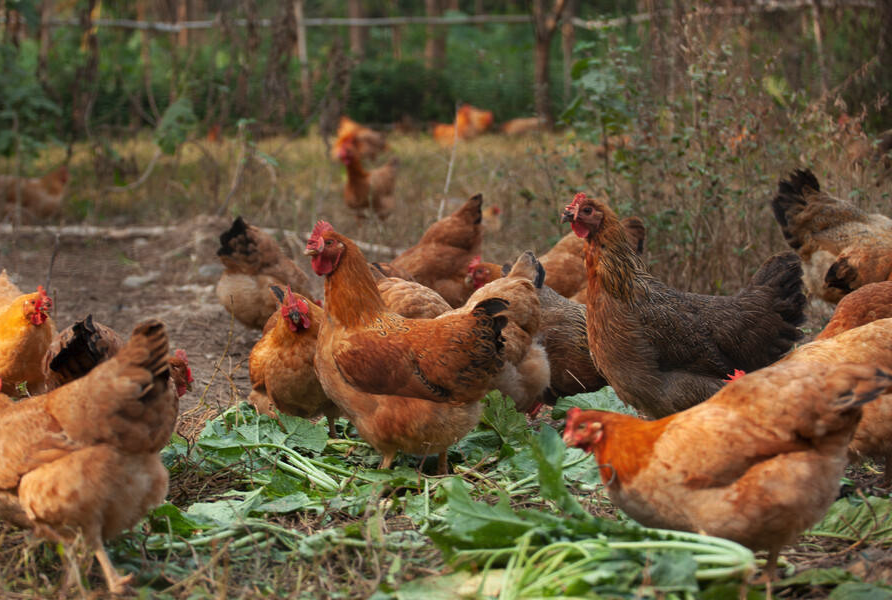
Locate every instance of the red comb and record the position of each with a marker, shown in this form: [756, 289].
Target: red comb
[181, 354]
[737, 374]
[475, 262]
[320, 228]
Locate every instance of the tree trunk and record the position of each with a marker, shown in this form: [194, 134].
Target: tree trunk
[435, 44]
[358, 35]
[544, 23]
[182, 17]
[568, 38]
[85, 81]
[306, 92]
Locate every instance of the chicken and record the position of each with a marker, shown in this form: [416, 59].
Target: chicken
[75, 351]
[481, 120]
[861, 332]
[281, 363]
[409, 298]
[492, 219]
[565, 263]
[865, 305]
[565, 338]
[480, 273]
[445, 133]
[410, 385]
[440, 258]
[663, 350]
[841, 246]
[521, 126]
[757, 463]
[368, 142]
[26, 331]
[41, 197]
[253, 262]
[368, 189]
[526, 372]
[83, 459]
[8, 290]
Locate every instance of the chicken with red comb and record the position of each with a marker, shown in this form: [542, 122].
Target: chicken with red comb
[757, 463]
[26, 331]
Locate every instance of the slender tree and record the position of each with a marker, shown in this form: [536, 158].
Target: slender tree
[435, 44]
[545, 23]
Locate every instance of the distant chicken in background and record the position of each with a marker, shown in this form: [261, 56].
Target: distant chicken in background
[83, 459]
[480, 273]
[367, 142]
[26, 331]
[41, 197]
[441, 257]
[281, 363]
[372, 189]
[492, 219]
[521, 126]
[469, 122]
[757, 463]
[841, 246]
[409, 298]
[254, 261]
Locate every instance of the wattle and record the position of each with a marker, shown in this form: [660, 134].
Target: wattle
[579, 229]
[322, 265]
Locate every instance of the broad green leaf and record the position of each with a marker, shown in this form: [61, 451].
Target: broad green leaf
[853, 519]
[858, 590]
[603, 399]
[549, 451]
[285, 504]
[818, 577]
[501, 414]
[167, 518]
[673, 571]
[303, 434]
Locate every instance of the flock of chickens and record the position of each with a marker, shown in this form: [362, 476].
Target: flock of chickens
[742, 435]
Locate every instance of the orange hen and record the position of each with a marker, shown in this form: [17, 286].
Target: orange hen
[41, 197]
[26, 331]
[281, 363]
[83, 459]
[410, 385]
[757, 463]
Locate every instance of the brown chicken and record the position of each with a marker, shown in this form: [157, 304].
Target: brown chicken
[757, 463]
[76, 350]
[41, 196]
[522, 126]
[480, 273]
[83, 459]
[492, 219]
[440, 258]
[26, 331]
[281, 363]
[367, 142]
[445, 133]
[253, 262]
[409, 298]
[663, 350]
[526, 372]
[565, 338]
[861, 332]
[481, 120]
[565, 263]
[841, 246]
[410, 385]
[368, 189]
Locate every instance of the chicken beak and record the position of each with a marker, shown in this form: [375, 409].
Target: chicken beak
[311, 251]
[567, 216]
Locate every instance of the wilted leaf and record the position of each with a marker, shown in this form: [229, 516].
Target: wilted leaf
[853, 519]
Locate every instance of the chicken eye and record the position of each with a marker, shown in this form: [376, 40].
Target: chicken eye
[587, 209]
[328, 242]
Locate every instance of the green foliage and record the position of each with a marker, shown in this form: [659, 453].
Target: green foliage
[603, 399]
[177, 122]
[26, 114]
[382, 92]
[853, 518]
